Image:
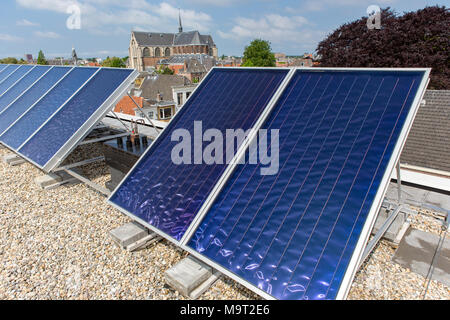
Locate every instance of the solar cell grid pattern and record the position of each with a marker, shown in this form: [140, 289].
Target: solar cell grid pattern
[69, 119]
[168, 196]
[292, 234]
[27, 125]
[22, 85]
[30, 97]
[13, 78]
[7, 71]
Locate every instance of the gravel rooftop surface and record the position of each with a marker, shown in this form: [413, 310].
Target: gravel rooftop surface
[54, 244]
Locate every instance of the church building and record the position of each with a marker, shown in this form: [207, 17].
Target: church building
[148, 48]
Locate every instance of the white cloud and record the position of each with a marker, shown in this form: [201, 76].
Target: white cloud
[97, 14]
[288, 32]
[47, 34]
[273, 27]
[9, 38]
[26, 23]
[190, 18]
[315, 5]
[218, 3]
[53, 5]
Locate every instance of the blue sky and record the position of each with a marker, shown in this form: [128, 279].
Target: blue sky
[293, 27]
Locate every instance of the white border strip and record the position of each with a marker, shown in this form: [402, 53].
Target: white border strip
[423, 178]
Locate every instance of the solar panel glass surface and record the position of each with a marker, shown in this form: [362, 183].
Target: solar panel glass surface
[7, 71]
[21, 86]
[68, 120]
[13, 78]
[28, 99]
[46, 107]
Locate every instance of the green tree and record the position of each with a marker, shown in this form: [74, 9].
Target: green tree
[259, 54]
[165, 70]
[415, 39]
[9, 60]
[41, 58]
[113, 62]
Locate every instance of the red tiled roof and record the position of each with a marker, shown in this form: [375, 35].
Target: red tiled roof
[127, 106]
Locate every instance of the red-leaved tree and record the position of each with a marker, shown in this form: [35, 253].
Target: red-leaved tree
[415, 39]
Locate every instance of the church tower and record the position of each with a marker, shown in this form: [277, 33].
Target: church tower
[180, 27]
[74, 56]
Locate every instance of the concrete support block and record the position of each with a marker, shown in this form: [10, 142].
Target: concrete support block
[191, 277]
[48, 180]
[55, 180]
[393, 231]
[13, 159]
[417, 251]
[128, 234]
[196, 293]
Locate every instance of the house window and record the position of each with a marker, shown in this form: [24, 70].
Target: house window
[146, 52]
[180, 98]
[187, 95]
[151, 114]
[157, 52]
[167, 52]
[165, 113]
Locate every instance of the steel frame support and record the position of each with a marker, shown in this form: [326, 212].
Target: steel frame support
[91, 184]
[106, 138]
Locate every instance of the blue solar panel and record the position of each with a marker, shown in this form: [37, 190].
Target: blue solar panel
[167, 196]
[29, 98]
[73, 115]
[35, 117]
[293, 234]
[21, 86]
[2, 67]
[7, 71]
[13, 77]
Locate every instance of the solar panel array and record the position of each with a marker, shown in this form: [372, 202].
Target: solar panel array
[298, 234]
[46, 110]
